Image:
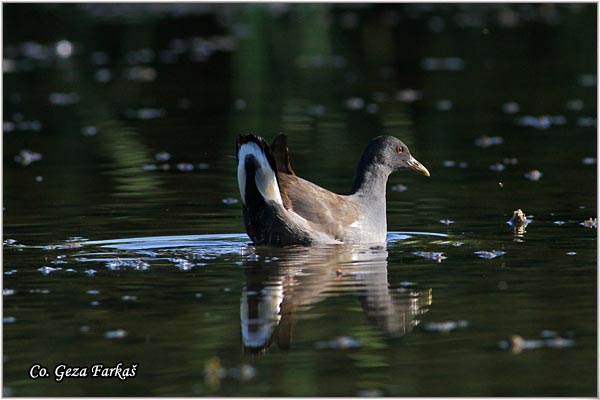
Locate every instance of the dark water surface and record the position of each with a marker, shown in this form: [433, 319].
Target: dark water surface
[123, 238]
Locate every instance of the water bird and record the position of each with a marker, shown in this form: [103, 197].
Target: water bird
[280, 208]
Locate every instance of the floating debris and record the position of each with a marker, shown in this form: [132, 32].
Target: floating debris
[444, 326]
[399, 188]
[490, 254]
[146, 113]
[26, 157]
[487, 141]
[431, 255]
[48, 270]
[339, 342]
[575, 104]
[518, 219]
[444, 105]
[457, 244]
[533, 175]
[586, 122]
[214, 372]
[516, 343]
[590, 223]
[63, 99]
[354, 103]
[64, 48]
[162, 156]
[542, 122]
[497, 167]
[510, 107]
[229, 201]
[446, 221]
[116, 334]
[136, 264]
[409, 95]
[442, 64]
[589, 160]
[182, 263]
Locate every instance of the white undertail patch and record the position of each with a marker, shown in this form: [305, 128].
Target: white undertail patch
[265, 178]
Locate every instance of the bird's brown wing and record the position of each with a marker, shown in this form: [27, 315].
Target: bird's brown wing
[327, 211]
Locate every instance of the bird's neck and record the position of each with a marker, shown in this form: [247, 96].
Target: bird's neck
[370, 181]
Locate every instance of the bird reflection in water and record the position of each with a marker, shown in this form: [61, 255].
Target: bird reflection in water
[281, 283]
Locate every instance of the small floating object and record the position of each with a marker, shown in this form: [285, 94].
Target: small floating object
[590, 223]
[445, 326]
[129, 298]
[533, 175]
[550, 339]
[449, 163]
[90, 272]
[340, 342]
[431, 255]
[116, 334]
[8, 292]
[559, 223]
[571, 253]
[446, 221]
[48, 270]
[9, 320]
[497, 167]
[518, 219]
[26, 157]
[589, 160]
[399, 188]
[487, 141]
[230, 201]
[184, 167]
[490, 254]
[162, 156]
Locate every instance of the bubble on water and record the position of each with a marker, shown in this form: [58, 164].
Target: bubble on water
[39, 291]
[10, 272]
[92, 292]
[64, 48]
[116, 334]
[559, 223]
[198, 295]
[8, 292]
[129, 298]
[89, 131]
[103, 75]
[510, 107]
[94, 303]
[229, 201]
[571, 253]
[135, 264]
[9, 320]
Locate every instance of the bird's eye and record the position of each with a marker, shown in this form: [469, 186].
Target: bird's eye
[399, 149]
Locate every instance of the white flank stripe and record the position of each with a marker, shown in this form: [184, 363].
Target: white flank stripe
[266, 182]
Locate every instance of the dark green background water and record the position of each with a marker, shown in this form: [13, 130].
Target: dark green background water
[99, 89]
